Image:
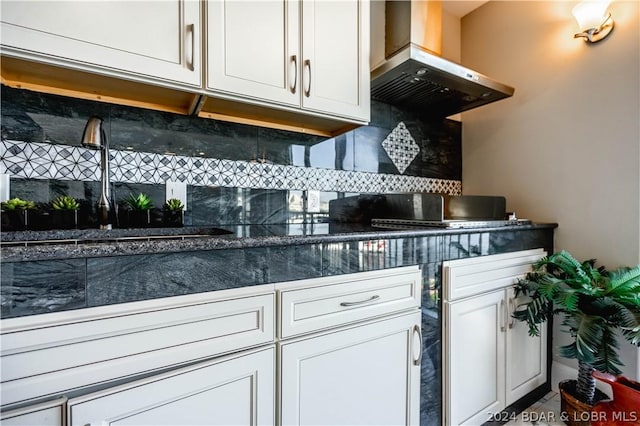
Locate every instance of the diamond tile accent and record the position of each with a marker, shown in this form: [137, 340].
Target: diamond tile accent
[48, 161]
[401, 147]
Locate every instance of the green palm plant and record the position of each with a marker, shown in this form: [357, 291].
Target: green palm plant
[594, 305]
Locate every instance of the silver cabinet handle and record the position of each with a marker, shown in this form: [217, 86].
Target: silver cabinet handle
[294, 61]
[510, 311]
[416, 330]
[190, 46]
[361, 302]
[307, 66]
[503, 326]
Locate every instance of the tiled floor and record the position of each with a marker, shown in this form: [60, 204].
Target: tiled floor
[545, 412]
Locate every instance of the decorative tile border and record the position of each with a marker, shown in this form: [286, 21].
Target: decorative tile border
[48, 161]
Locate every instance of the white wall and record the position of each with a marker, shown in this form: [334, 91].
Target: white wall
[566, 147]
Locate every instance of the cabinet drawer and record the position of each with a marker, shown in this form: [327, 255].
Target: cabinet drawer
[50, 353]
[317, 304]
[477, 275]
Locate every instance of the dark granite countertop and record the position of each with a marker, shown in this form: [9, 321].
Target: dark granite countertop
[69, 244]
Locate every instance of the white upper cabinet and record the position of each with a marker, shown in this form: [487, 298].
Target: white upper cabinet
[252, 49]
[300, 65]
[309, 55]
[335, 52]
[155, 40]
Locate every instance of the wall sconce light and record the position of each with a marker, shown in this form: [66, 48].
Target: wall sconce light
[594, 20]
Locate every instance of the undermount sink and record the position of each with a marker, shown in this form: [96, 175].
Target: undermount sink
[88, 236]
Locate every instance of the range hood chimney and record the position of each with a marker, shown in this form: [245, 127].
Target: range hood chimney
[412, 74]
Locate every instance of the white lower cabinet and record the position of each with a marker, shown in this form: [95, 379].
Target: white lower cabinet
[526, 356]
[48, 355]
[365, 375]
[210, 358]
[50, 413]
[489, 360]
[476, 356]
[237, 390]
[365, 368]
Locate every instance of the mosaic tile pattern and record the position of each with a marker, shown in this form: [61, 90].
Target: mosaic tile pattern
[47, 161]
[400, 146]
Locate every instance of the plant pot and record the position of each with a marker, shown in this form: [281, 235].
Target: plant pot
[21, 220]
[173, 218]
[14, 220]
[135, 218]
[624, 409]
[64, 219]
[576, 412]
[38, 220]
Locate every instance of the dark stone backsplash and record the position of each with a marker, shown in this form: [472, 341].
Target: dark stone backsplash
[41, 118]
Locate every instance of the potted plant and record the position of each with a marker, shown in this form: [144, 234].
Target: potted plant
[137, 211]
[64, 213]
[594, 305]
[17, 214]
[173, 213]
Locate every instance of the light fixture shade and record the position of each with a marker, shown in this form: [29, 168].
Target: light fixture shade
[594, 19]
[591, 13]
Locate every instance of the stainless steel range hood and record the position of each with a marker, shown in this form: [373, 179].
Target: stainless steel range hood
[412, 74]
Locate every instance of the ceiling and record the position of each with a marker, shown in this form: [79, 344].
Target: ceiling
[460, 8]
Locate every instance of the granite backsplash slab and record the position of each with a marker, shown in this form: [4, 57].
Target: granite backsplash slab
[234, 173]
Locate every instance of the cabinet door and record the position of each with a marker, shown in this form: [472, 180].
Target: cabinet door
[474, 358]
[158, 38]
[233, 391]
[526, 355]
[335, 46]
[253, 49]
[363, 375]
[50, 413]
